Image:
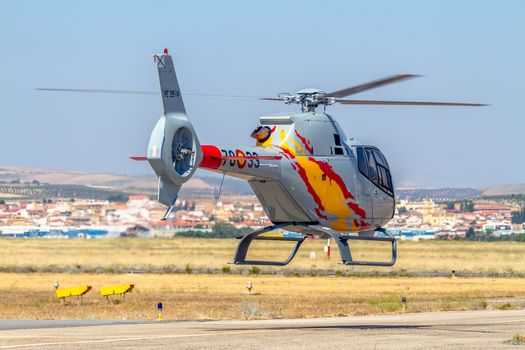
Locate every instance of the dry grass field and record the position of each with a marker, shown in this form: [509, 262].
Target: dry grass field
[212, 255]
[173, 271]
[203, 297]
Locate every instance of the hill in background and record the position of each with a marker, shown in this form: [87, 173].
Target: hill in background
[24, 182]
[504, 190]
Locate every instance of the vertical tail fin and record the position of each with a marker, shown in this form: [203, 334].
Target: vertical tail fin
[174, 150]
[170, 91]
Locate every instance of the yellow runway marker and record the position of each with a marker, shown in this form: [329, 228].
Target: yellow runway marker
[116, 290]
[63, 293]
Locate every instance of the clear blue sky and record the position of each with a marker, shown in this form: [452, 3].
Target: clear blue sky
[467, 50]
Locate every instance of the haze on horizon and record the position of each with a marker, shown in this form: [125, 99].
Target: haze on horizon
[468, 51]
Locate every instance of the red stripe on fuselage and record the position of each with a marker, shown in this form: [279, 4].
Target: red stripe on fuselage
[286, 152]
[319, 214]
[309, 187]
[361, 224]
[306, 143]
[302, 173]
[332, 175]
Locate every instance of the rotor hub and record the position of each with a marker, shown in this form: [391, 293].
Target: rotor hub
[309, 99]
[182, 152]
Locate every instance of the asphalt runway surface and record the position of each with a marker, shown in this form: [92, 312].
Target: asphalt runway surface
[440, 330]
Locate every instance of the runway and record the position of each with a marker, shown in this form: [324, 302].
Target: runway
[442, 330]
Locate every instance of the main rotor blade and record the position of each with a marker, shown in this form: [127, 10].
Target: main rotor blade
[408, 103]
[271, 99]
[371, 85]
[99, 91]
[136, 92]
[237, 97]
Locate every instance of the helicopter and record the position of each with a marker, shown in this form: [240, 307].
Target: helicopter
[309, 177]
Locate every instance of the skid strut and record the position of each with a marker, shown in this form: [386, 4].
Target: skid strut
[346, 255]
[245, 241]
[344, 249]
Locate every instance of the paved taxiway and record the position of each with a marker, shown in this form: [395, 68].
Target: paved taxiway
[443, 330]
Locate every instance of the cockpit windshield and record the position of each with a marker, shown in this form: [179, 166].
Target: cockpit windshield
[373, 165]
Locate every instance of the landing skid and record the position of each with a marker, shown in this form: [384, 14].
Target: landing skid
[340, 238]
[246, 240]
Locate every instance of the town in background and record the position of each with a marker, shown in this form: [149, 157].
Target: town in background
[485, 218]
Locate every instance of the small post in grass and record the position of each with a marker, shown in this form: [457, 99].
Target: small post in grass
[249, 287]
[327, 249]
[159, 309]
[404, 304]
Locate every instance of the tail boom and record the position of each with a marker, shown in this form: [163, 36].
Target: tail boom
[243, 162]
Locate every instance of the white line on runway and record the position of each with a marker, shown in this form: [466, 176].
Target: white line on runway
[260, 330]
[112, 340]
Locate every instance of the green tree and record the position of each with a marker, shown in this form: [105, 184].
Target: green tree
[467, 206]
[220, 230]
[223, 229]
[117, 198]
[518, 217]
[471, 233]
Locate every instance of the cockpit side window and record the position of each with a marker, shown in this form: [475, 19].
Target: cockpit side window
[362, 163]
[385, 179]
[338, 149]
[372, 167]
